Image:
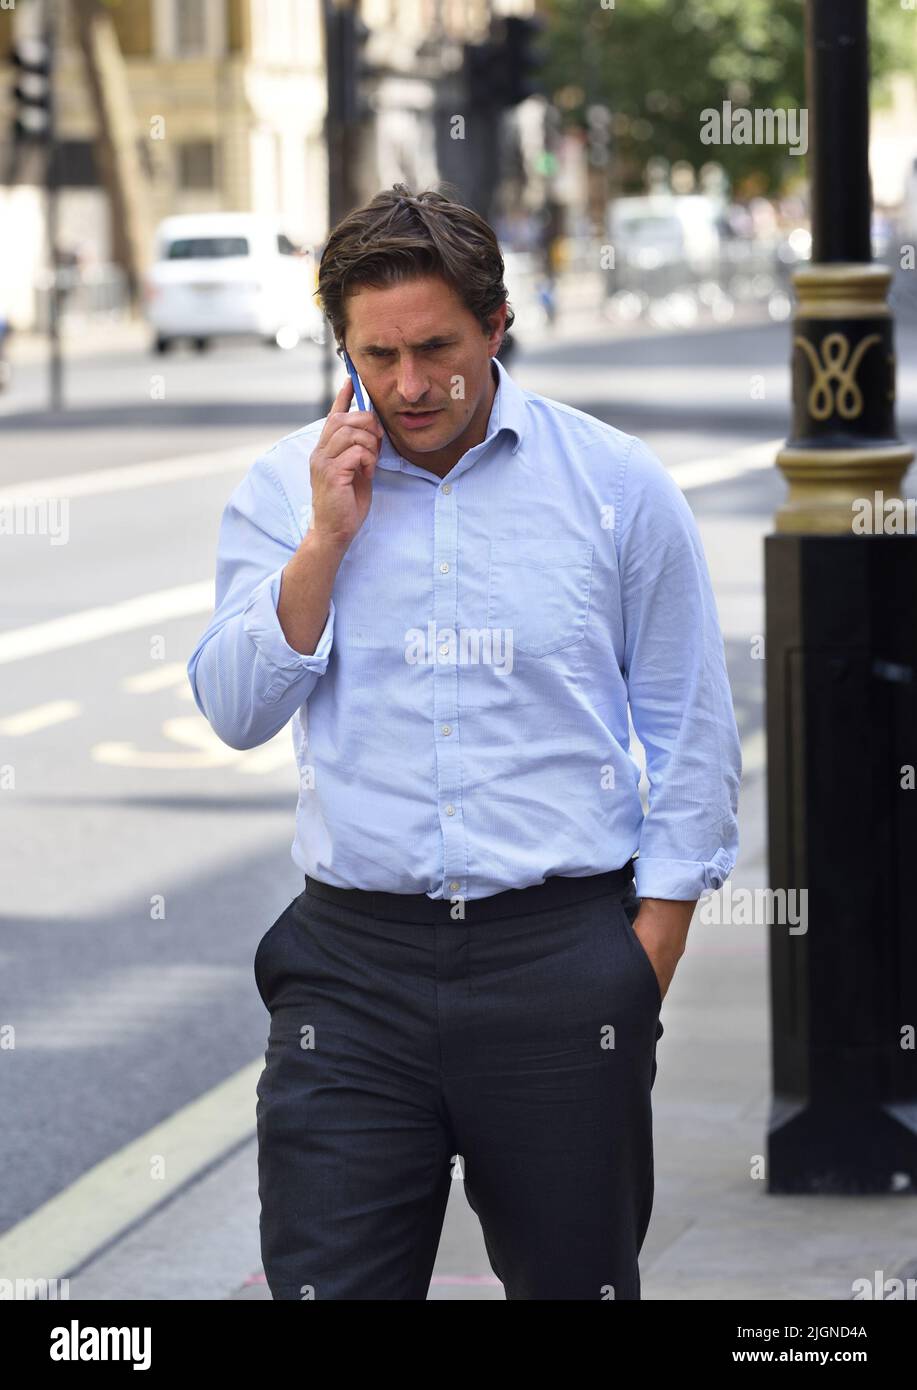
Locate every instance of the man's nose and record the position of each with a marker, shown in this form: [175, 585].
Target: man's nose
[412, 382]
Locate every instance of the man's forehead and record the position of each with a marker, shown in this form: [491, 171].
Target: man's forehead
[410, 311]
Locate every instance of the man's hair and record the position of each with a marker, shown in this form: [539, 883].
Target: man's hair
[399, 236]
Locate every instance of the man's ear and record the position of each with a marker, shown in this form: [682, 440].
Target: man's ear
[497, 324]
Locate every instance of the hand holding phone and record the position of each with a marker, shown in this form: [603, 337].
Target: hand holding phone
[342, 466]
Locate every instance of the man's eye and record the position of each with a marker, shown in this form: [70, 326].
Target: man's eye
[431, 347]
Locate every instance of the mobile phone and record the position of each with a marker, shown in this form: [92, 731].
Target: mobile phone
[358, 394]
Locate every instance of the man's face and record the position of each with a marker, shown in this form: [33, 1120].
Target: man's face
[425, 362]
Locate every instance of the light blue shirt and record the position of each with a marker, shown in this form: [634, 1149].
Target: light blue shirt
[462, 726]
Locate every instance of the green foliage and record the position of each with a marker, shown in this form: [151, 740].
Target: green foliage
[657, 64]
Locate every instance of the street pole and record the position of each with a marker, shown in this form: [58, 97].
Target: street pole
[341, 116]
[55, 363]
[332, 155]
[841, 647]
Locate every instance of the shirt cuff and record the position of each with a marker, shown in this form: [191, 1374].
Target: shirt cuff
[261, 623]
[680, 878]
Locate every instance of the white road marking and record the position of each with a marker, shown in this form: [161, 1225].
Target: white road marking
[92, 623]
[206, 750]
[703, 472]
[123, 478]
[193, 732]
[158, 677]
[115, 754]
[277, 752]
[29, 721]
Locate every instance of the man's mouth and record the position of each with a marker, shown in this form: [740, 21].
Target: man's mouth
[416, 419]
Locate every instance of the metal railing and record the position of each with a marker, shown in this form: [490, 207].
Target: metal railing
[93, 293]
[673, 291]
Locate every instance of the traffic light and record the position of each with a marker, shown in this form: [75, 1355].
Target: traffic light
[31, 59]
[523, 61]
[484, 74]
[352, 37]
[501, 71]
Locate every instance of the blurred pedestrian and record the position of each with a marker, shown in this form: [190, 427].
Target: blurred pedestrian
[6, 370]
[547, 298]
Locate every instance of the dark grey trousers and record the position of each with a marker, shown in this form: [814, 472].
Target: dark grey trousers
[514, 1051]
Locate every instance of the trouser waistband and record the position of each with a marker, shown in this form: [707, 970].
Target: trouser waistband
[556, 891]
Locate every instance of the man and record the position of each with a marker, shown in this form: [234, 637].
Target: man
[454, 593]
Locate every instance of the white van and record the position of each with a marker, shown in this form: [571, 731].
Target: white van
[662, 229]
[229, 273]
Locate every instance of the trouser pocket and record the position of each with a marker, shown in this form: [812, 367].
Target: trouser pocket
[261, 964]
[630, 906]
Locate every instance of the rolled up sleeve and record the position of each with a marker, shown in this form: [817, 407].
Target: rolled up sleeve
[678, 688]
[246, 679]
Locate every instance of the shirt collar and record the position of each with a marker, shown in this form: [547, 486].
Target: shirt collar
[506, 413]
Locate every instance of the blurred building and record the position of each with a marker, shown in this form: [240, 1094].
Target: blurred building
[228, 103]
[893, 152]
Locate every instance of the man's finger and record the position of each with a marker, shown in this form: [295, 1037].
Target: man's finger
[366, 420]
[343, 397]
[347, 436]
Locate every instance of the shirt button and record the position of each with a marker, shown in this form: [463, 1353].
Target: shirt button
[444, 651]
[447, 488]
[454, 886]
[450, 810]
[444, 568]
[447, 728]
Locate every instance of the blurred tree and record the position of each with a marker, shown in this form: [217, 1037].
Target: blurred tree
[657, 64]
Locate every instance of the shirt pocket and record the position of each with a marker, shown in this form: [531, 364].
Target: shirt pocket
[538, 590]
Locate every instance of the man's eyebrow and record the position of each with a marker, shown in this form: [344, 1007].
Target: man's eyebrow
[428, 342]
